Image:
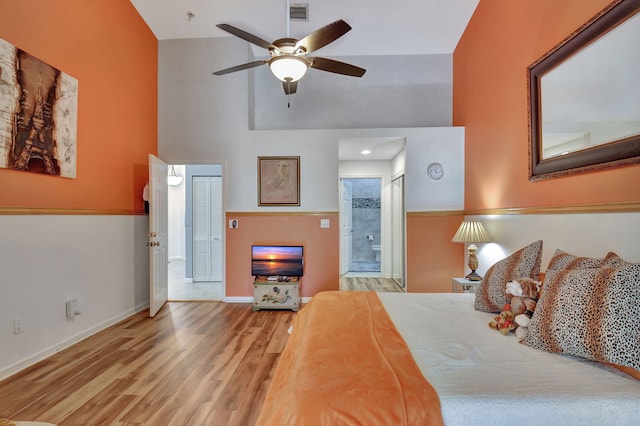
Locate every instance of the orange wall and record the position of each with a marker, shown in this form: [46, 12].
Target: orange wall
[109, 49]
[321, 254]
[490, 100]
[432, 259]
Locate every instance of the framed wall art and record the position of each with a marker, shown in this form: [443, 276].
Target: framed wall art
[278, 181]
[38, 115]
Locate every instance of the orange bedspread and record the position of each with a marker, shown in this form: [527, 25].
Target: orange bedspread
[346, 364]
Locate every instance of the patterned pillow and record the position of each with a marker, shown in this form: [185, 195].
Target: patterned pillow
[563, 260]
[590, 313]
[490, 293]
[612, 259]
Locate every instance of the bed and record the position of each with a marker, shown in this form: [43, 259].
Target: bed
[408, 359]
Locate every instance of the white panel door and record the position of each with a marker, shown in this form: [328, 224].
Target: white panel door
[158, 232]
[207, 228]
[346, 225]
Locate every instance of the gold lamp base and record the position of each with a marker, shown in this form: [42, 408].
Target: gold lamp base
[473, 276]
[473, 264]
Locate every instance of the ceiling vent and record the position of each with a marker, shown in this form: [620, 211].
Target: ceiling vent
[299, 12]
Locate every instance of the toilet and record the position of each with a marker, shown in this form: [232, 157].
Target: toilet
[376, 249]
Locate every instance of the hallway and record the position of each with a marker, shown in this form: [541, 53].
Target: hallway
[181, 290]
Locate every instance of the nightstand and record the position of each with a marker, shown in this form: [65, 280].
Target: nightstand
[463, 285]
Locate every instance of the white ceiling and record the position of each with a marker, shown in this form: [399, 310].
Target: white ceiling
[401, 27]
[381, 148]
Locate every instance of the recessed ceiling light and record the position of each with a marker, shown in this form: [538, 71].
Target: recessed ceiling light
[365, 152]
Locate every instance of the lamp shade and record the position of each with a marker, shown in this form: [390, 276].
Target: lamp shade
[471, 231]
[288, 67]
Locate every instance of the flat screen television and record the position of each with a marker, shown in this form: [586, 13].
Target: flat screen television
[283, 261]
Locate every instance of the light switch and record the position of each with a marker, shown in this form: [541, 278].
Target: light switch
[324, 223]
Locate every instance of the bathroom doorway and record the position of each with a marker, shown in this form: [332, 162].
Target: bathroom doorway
[363, 257]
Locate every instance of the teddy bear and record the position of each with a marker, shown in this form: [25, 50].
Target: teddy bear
[524, 287]
[504, 322]
[524, 295]
[522, 324]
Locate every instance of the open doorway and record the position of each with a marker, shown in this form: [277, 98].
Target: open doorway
[361, 229]
[195, 233]
[360, 160]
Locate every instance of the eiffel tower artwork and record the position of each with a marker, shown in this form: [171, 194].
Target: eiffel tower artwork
[39, 143]
[38, 115]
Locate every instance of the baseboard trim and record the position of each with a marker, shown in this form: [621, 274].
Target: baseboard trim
[52, 350]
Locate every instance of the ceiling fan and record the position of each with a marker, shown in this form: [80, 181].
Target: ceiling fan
[289, 61]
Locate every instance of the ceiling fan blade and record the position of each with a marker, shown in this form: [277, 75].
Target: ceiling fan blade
[323, 36]
[290, 87]
[240, 67]
[246, 36]
[337, 67]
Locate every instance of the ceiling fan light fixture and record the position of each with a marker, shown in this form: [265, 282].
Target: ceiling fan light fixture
[288, 67]
[172, 178]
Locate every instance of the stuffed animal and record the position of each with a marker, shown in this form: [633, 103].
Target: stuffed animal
[524, 295]
[522, 322]
[520, 305]
[524, 287]
[504, 322]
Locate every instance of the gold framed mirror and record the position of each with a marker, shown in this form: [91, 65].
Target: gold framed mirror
[584, 97]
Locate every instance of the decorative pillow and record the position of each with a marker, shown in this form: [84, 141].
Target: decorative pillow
[590, 313]
[563, 260]
[612, 259]
[490, 293]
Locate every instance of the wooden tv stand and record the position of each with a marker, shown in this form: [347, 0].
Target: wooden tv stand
[276, 293]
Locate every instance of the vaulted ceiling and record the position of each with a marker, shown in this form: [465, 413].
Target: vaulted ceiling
[379, 28]
[401, 27]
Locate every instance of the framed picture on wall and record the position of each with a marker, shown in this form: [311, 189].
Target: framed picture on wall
[38, 115]
[278, 181]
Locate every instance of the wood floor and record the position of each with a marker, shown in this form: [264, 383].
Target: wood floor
[199, 363]
[377, 284]
[203, 363]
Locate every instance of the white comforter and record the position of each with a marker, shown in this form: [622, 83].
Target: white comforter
[485, 378]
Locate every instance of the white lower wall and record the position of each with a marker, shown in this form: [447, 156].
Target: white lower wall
[581, 234]
[45, 260]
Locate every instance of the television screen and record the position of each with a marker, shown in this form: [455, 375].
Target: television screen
[285, 261]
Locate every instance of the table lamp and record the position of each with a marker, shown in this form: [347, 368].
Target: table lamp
[472, 231]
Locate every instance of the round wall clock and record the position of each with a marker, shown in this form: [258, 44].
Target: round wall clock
[435, 171]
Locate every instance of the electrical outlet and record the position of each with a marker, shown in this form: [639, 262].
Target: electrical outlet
[72, 308]
[324, 223]
[17, 326]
